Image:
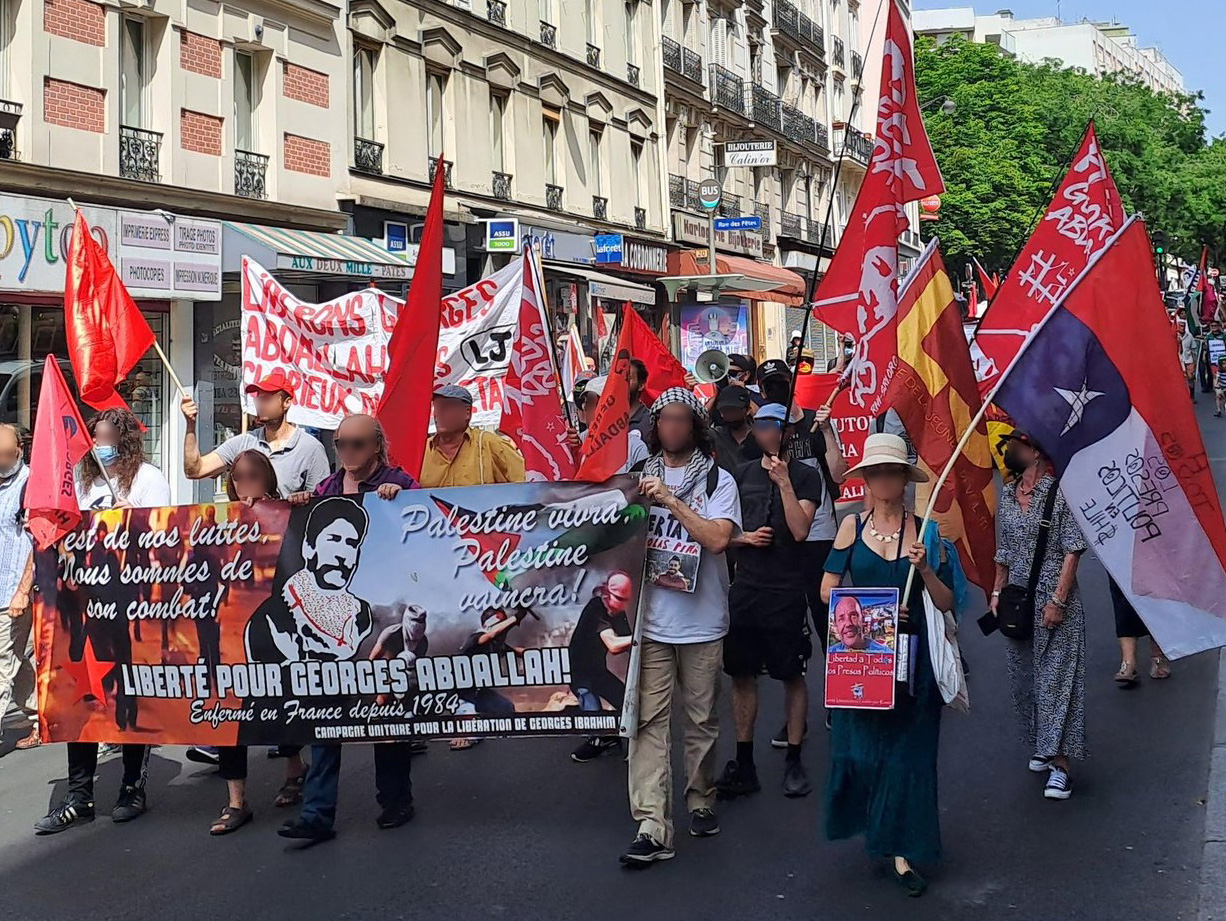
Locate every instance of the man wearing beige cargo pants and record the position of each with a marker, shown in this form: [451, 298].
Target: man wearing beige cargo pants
[17, 682]
[695, 513]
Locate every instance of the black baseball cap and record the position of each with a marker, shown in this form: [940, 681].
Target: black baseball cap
[732, 397]
[773, 367]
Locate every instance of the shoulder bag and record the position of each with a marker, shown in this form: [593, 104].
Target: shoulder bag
[1015, 607]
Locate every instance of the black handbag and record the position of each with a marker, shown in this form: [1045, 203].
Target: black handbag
[1015, 607]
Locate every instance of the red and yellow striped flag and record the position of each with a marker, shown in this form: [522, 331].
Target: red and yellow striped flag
[935, 393]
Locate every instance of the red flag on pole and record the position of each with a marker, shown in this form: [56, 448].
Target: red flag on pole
[990, 284]
[107, 335]
[607, 447]
[859, 294]
[60, 441]
[412, 352]
[532, 412]
[663, 368]
[1085, 213]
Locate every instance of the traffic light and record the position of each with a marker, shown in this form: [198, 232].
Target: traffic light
[1159, 239]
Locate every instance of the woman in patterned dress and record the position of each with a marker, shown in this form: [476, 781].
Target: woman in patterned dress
[1046, 670]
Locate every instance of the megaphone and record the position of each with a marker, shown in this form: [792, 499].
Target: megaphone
[712, 366]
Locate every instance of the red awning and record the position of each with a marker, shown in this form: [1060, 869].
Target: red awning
[789, 288]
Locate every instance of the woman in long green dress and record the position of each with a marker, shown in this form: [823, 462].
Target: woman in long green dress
[883, 772]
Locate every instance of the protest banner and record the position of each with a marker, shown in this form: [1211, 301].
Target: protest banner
[476, 338]
[860, 649]
[472, 611]
[852, 424]
[335, 353]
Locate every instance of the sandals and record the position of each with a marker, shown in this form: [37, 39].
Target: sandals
[290, 793]
[1159, 668]
[231, 820]
[1126, 677]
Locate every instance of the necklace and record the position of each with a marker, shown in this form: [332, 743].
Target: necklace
[883, 538]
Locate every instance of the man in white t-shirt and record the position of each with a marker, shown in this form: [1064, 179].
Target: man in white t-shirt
[695, 513]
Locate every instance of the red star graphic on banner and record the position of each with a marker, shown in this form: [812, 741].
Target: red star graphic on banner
[88, 674]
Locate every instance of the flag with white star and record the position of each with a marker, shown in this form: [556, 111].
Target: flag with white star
[1100, 389]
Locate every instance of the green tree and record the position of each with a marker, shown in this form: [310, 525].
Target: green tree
[1005, 148]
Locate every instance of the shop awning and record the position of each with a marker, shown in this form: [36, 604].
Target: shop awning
[278, 249]
[605, 286]
[763, 282]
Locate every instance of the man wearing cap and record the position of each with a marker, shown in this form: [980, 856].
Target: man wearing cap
[636, 449]
[299, 459]
[459, 455]
[731, 432]
[640, 418]
[695, 511]
[794, 346]
[768, 629]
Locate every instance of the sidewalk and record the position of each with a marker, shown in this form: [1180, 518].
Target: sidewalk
[1213, 867]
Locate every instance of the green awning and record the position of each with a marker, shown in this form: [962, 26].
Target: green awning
[280, 250]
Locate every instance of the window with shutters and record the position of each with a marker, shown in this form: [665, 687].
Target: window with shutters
[632, 32]
[550, 119]
[436, 101]
[244, 101]
[719, 42]
[133, 71]
[640, 173]
[498, 111]
[595, 141]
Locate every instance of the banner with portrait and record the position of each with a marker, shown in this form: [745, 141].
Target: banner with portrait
[474, 611]
[723, 327]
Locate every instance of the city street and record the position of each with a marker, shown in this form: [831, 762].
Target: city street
[515, 830]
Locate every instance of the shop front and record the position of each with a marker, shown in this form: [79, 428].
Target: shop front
[169, 263]
[638, 261]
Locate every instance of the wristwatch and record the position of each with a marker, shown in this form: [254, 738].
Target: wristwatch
[1059, 602]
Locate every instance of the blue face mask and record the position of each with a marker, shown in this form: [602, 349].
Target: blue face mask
[107, 454]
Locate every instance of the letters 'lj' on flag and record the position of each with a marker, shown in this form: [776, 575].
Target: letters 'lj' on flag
[1084, 214]
[664, 371]
[606, 449]
[859, 294]
[107, 335]
[1108, 402]
[935, 393]
[532, 414]
[60, 441]
[412, 352]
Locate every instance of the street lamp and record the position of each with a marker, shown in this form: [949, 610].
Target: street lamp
[948, 106]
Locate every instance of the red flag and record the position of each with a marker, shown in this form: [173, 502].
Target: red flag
[859, 293]
[935, 393]
[532, 411]
[60, 441]
[107, 335]
[972, 308]
[413, 350]
[1085, 213]
[990, 284]
[663, 368]
[607, 446]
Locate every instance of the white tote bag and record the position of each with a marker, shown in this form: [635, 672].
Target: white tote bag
[946, 657]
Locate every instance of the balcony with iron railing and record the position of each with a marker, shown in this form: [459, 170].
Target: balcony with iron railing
[367, 156]
[501, 185]
[593, 56]
[813, 231]
[691, 65]
[672, 54]
[859, 145]
[839, 51]
[727, 89]
[764, 107]
[640, 218]
[691, 196]
[496, 12]
[791, 225]
[140, 154]
[730, 205]
[763, 211]
[600, 208]
[797, 126]
[823, 136]
[553, 197]
[549, 34]
[250, 174]
[857, 64]
[447, 165]
[798, 26]
[10, 115]
[676, 191]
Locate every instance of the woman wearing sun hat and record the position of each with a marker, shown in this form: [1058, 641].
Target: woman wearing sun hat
[883, 772]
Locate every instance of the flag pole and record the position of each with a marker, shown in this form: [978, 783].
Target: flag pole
[811, 287]
[987, 400]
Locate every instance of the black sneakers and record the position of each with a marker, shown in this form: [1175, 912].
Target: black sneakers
[704, 823]
[737, 781]
[780, 739]
[130, 804]
[64, 816]
[796, 780]
[595, 746]
[395, 816]
[298, 830]
[645, 850]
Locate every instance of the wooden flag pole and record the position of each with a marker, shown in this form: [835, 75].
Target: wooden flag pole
[169, 370]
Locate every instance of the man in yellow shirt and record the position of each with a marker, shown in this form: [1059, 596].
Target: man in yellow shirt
[458, 455]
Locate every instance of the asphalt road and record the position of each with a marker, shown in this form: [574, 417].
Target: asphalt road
[514, 830]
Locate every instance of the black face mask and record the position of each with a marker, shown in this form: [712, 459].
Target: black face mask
[777, 390]
[1014, 462]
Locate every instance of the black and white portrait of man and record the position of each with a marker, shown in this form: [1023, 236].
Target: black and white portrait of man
[314, 615]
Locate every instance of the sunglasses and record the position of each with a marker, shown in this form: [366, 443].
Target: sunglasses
[768, 423]
[356, 444]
